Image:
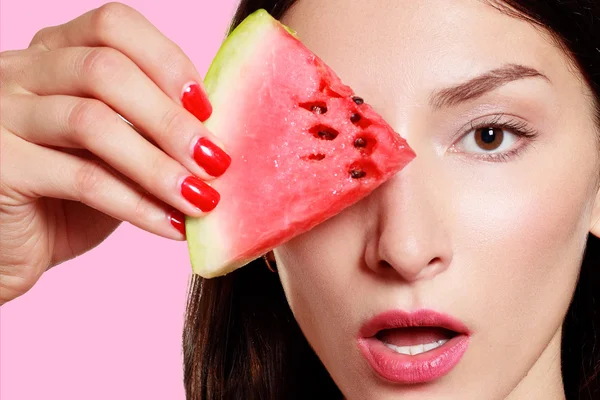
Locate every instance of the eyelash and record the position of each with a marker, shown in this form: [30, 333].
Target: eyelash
[518, 128]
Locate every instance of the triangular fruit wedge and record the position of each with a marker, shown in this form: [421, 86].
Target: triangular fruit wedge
[303, 146]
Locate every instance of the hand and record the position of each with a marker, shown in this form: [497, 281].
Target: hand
[71, 168]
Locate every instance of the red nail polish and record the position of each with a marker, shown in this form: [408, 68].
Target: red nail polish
[194, 100]
[211, 157]
[178, 220]
[200, 194]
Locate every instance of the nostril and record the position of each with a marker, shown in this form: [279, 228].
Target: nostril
[435, 260]
[408, 269]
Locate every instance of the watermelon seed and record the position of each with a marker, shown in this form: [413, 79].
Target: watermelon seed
[324, 132]
[357, 173]
[355, 118]
[318, 107]
[326, 135]
[360, 143]
[358, 100]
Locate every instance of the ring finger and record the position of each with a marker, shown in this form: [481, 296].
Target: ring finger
[67, 121]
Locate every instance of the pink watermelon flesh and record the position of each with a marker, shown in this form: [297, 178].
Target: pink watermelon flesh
[303, 146]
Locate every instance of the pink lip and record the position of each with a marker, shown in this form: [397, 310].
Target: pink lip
[422, 368]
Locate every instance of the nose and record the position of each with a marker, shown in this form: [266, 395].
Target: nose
[412, 237]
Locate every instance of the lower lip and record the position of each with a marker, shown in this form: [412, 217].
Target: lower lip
[421, 368]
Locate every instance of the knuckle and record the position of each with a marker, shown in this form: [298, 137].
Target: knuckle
[101, 64]
[157, 170]
[15, 68]
[172, 124]
[41, 37]
[143, 207]
[106, 17]
[83, 117]
[159, 173]
[175, 64]
[89, 180]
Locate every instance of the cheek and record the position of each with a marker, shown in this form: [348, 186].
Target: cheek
[319, 272]
[519, 236]
[523, 218]
[536, 213]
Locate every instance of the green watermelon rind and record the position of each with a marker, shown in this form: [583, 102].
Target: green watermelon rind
[204, 244]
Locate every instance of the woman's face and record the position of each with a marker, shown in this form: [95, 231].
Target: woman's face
[485, 226]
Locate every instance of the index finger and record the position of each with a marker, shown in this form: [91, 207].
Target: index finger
[125, 29]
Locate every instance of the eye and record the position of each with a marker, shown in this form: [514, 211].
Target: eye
[488, 139]
[495, 138]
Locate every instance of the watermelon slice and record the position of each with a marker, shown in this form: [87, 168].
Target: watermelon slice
[303, 146]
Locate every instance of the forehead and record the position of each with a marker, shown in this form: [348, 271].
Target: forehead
[398, 49]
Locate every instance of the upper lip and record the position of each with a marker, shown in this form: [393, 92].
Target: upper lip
[401, 319]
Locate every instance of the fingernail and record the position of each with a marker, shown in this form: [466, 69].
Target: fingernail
[200, 194]
[211, 157]
[177, 220]
[195, 100]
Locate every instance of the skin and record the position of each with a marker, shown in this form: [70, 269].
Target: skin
[496, 244]
[72, 170]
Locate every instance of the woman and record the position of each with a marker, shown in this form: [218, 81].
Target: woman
[473, 274]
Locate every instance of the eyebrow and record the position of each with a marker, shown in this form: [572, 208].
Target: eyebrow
[482, 84]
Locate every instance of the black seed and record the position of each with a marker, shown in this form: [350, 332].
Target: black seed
[360, 142]
[358, 100]
[357, 173]
[326, 135]
[324, 132]
[355, 118]
[318, 109]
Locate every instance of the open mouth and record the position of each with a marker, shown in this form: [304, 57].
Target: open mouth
[412, 341]
[410, 348]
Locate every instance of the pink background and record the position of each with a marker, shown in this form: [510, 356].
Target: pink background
[108, 324]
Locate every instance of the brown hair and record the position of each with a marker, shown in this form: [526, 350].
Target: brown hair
[241, 340]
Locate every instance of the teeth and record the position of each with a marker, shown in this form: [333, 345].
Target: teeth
[414, 350]
[417, 349]
[431, 346]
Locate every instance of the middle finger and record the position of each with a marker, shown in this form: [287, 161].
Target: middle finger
[108, 75]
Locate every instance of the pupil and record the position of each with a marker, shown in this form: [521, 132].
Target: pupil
[488, 135]
[489, 138]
